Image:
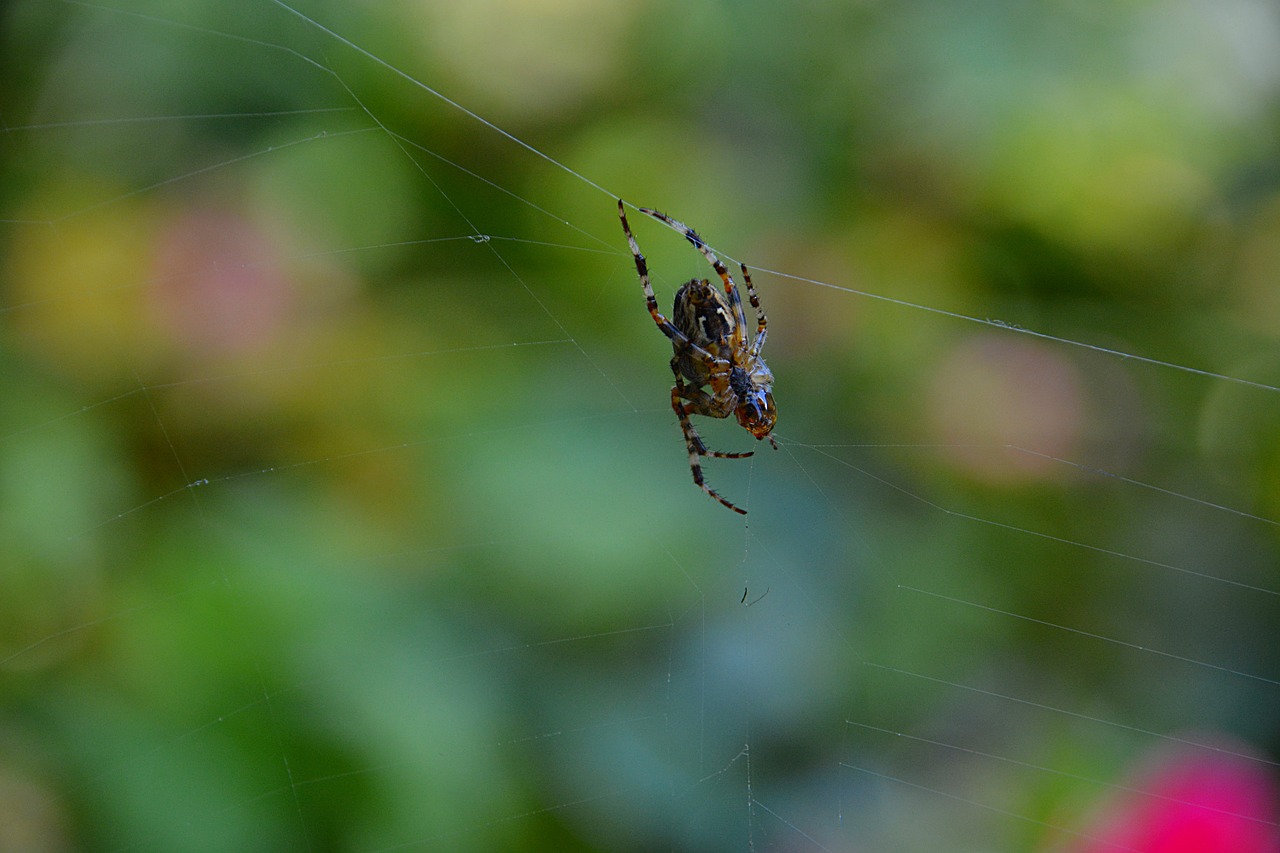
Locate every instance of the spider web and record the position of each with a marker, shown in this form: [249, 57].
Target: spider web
[345, 509]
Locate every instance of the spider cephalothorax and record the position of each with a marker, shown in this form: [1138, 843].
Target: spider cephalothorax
[709, 336]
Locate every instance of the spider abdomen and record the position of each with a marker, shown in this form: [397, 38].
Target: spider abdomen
[704, 316]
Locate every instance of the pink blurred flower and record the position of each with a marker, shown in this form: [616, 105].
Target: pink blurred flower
[219, 288]
[991, 392]
[1192, 802]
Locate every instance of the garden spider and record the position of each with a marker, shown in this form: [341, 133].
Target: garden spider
[709, 337]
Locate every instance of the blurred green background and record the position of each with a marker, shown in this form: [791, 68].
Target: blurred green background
[341, 506]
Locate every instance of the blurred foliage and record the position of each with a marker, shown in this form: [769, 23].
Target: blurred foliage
[342, 507]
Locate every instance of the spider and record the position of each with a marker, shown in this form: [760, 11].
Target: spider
[709, 337]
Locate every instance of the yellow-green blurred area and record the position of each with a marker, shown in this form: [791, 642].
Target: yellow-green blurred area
[342, 507]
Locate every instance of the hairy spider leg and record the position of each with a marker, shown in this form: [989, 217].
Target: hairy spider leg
[700, 403]
[693, 443]
[761, 326]
[761, 323]
[730, 289]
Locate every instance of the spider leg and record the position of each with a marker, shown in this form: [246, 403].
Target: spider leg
[730, 289]
[700, 403]
[642, 269]
[761, 322]
[693, 442]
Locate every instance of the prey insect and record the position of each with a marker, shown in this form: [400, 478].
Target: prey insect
[719, 370]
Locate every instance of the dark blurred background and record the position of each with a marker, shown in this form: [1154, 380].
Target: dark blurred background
[341, 506]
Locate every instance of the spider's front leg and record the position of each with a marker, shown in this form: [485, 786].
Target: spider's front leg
[668, 328]
[761, 323]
